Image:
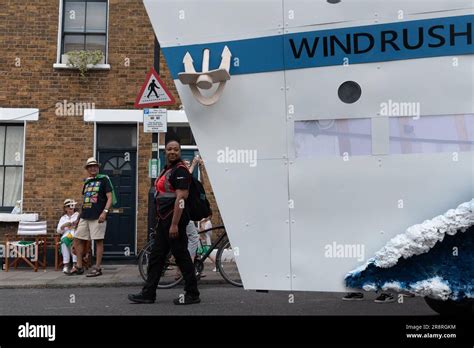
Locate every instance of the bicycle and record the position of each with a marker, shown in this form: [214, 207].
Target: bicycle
[225, 262]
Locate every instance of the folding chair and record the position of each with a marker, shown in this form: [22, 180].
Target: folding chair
[58, 262]
[27, 251]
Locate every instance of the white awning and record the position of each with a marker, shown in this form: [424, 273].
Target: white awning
[18, 114]
[127, 116]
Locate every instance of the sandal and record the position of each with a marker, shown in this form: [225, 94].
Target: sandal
[76, 271]
[94, 272]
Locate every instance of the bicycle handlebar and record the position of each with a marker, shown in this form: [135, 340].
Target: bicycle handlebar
[152, 230]
[212, 228]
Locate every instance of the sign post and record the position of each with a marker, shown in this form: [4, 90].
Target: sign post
[155, 121]
[154, 93]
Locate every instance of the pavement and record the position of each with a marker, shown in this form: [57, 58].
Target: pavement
[20, 290]
[218, 299]
[112, 275]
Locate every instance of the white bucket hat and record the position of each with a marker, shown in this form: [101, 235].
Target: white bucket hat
[92, 162]
[69, 201]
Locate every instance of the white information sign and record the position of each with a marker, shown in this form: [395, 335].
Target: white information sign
[155, 120]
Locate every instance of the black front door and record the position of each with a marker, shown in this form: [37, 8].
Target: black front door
[121, 167]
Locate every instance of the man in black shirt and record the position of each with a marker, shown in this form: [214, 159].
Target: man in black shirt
[172, 188]
[97, 192]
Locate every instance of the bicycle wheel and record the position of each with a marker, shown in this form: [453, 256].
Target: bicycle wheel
[143, 263]
[227, 266]
[169, 277]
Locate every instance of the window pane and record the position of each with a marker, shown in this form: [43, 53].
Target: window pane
[2, 169]
[74, 16]
[14, 146]
[73, 43]
[431, 134]
[96, 16]
[12, 186]
[333, 138]
[95, 42]
[116, 137]
[2, 144]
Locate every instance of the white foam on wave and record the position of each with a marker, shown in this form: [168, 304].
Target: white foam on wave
[435, 287]
[420, 238]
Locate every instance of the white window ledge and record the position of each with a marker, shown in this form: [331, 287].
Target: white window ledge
[129, 115]
[91, 67]
[7, 217]
[18, 114]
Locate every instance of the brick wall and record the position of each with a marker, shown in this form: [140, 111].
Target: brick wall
[57, 146]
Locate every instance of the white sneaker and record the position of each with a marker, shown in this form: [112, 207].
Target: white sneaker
[65, 269]
[215, 269]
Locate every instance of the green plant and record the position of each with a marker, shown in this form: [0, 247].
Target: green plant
[84, 60]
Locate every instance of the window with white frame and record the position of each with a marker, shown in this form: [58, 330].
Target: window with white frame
[11, 165]
[84, 27]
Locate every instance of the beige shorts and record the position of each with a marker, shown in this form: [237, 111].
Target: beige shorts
[90, 229]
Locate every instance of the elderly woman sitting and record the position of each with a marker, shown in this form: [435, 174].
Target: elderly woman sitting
[66, 228]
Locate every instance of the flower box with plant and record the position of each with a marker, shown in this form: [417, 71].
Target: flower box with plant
[83, 60]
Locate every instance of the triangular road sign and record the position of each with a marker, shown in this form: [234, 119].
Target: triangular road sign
[153, 92]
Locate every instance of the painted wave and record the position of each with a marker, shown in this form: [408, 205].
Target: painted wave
[434, 259]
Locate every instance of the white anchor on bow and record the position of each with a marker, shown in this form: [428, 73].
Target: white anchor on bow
[206, 79]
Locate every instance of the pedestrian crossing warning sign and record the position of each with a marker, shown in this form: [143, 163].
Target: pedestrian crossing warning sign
[153, 92]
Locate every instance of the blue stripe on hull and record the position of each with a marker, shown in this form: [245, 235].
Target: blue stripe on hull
[436, 37]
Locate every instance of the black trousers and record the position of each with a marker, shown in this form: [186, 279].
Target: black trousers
[159, 252]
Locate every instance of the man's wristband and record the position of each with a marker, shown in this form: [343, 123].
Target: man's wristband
[105, 211]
